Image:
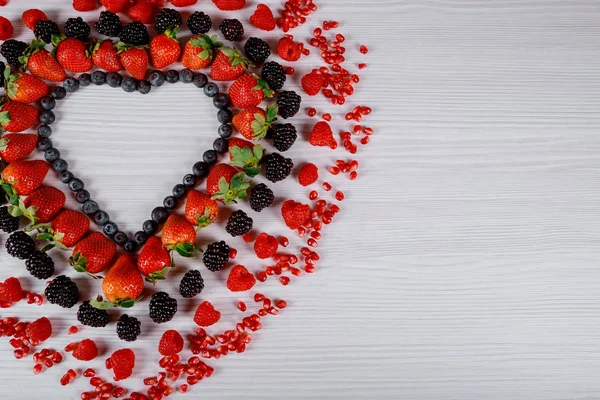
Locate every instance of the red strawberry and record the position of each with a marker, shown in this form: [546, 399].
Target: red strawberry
[308, 174]
[263, 18]
[134, 60]
[265, 246]
[288, 49]
[247, 158]
[10, 291]
[295, 214]
[66, 229]
[23, 87]
[154, 261]
[200, 209]
[115, 6]
[33, 16]
[225, 183]
[254, 123]
[240, 279]
[229, 5]
[143, 12]
[122, 363]
[84, 5]
[312, 83]
[41, 64]
[228, 65]
[16, 117]
[17, 146]
[165, 49]
[86, 350]
[249, 91]
[199, 51]
[25, 176]
[170, 343]
[6, 29]
[179, 235]
[106, 57]
[122, 286]
[321, 135]
[42, 205]
[93, 254]
[39, 330]
[183, 3]
[241, 143]
[206, 315]
[72, 54]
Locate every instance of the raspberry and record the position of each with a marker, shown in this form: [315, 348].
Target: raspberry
[86, 350]
[321, 135]
[265, 246]
[171, 343]
[263, 18]
[288, 49]
[308, 174]
[294, 214]
[33, 16]
[10, 291]
[84, 5]
[183, 3]
[206, 315]
[240, 279]
[115, 6]
[39, 330]
[312, 83]
[122, 362]
[6, 29]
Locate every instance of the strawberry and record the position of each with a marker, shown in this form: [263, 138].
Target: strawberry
[40, 206]
[183, 3]
[122, 363]
[134, 59]
[86, 350]
[295, 214]
[225, 183]
[65, 230]
[24, 176]
[6, 29]
[39, 330]
[154, 261]
[170, 343]
[263, 18]
[17, 146]
[247, 159]
[206, 315]
[229, 5]
[265, 246]
[312, 83]
[200, 209]
[93, 254]
[10, 291]
[106, 57]
[23, 87]
[179, 235]
[288, 49]
[41, 64]
[240, 279]
[228, 65]
[321, 135]
[249, 91]
[122, 286]
[199, 51]
[254, 123]
[241, 143]
[84, 5]
[72, 54]
[33, 16]
[308, 174]
[165, 49]
[16, 117]
[115, 6]
[143, 11]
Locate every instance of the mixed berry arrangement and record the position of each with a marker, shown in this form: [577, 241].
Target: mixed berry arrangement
[134, 46]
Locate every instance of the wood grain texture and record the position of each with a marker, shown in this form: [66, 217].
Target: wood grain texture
[464, 264]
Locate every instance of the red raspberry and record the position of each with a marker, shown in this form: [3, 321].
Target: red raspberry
[294, 214]
[142, 12]
[183, 3]
[39, 330]
[171, 343]
[10, 291]
[240, 279]
[288, 49]
[263, 18]
[321, 135]
[84, 5]
[6, 29]
[122, 362]
[33, 16]
[265, 246]
[86, 350]
[206, 315]
[229, 5]
[115, 6]
[312, 83]
[308, 174]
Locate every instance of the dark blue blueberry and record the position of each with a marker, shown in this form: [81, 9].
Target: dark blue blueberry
[186, 76]
[201, 169]
[90, 207]
[220, 145]
[44, 131]
[113, 79]
[60, 165]
[47, 117]
[58, 93]
[144, 87]
[156, 78]
[129, 84]
[110, 228]
[71, 85]
[82, 196]
[66, 177]
[101, 217]
[44, 143]
[120, 237]
[75, 185]
[149, 227]
[170, 203]
[209, 156]
[47, 103]
[130, 246]
[179, 191]
[140, 237]
[172, 76]
[189, 180]
[85, 79]
[52, 154]
[221, 100]
[98, 78]
[225, 131]
[211, 89]
[225, 115]
[160, 215]
[200, 80]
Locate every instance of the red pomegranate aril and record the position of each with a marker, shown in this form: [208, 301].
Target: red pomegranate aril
[296, 271]
[314, 42]
[37, 368]
[316, 235]
[326, 25]
[266, 303]
[118, 392]
[317, 32]
[57, 358]
[48, 362]
[362, 66]
[308, 223]
[65, 380]
[301, 232]
[312, 242]
[289, 70]
[182, 388]
[232, 253]
[72, 330]
[241, 306]
[284, 280]
[96, 381]
[318, 225]
[261, 276]
[18, 354]
[258, 297]
[311, 112]
[364, 49]
[284, 241]
[88, 395]
[89, 373]
[327, 186]
[108, 364]
[16, 343]
[270, 270]
[262, 313]
[192, 379]
[327, 117]
[313, 195]
[309, 269]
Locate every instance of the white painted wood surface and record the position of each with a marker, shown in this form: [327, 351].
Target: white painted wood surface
[465, 262]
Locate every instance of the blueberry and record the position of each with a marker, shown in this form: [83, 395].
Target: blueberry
[120, 237]
[186, 76]
[211, 89]
[129, 84]
[101, 217]
[220, 145]
[75, 185]
[160, 215]
[130, 246]
[47, 103]
[149, 227]
[110, 228]
[98, 78]
[90, 207]
[179, 191]
[44, 131]
[221, 100]
[85, 79]
[71, 85]
[113, 79]
[82, 196]
[225, 131]
[224, 115]
[156, 78]
[59, 92]
[172, 76]
[140, 237]
[170, 203]
[47, 117]
[52, 154]
[60, 165]
[144, 87]
[200, 80]
[66, 177]
[209, 156]
[189, 180]
[201, 169]
[44, 143]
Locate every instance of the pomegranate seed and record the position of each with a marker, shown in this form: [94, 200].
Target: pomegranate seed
[241, 306]
[281, 304]
[317, 32]
[262, 312]
[108, 364]
[334, 208]
[311, 112]
[88, 395]
[353, 175]
[313, 195]
[65, 380]
[72, 330]
[37, 368]
[334, 170]
[364, 140]
[88, 373]
[326, 25]
[192, 379]
[309, 269]
[301, 232]
[327, 117]
[48, 362]
[289, 70]
[248, 237]
[261, 276]
[118, 392]
[364, 49]
[362, 66]
[232, 253]
[296, 272]
[18, 354]
[334, 24]
[266, 303]
[284, 280]
[284, 241]
[57, 358]
[313, 42]
[96, 381]
[316, 235]
[312, 242]
[259, 297]
[339, 195]
[317, 225]
[16, 343]
[182, 388]
[326, 186]
[150, 381]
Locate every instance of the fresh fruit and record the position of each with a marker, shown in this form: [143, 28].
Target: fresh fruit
[40, 265]
[312, 83]
[134, 34]
[41, 206]
[62, 291]
[265, 246]
[93, 254]
[261, 197]
[179, 235]
[216, 256]
[142, 12]
[294, 214]
[254, 123]
[10, 291]
[167, 19]
[228, 65]
[16, 146]
[308, 174]
[6, 29]
[72, 54]
[199, 51]
[134, 60]
[122, 363]
[17, 117]
[206, 315]
[77, 28]
[11, 50]
[247, 159]
[191, 284]
[162, 307]
[249, 91]
[239, 223]
[154, 261]
[39, 330]
[225, 183]
[122, 285]
[183, 3]
[8, 223]
[24, 176]
[165, 49]
[84, 5]
[109, 24]
[321, 135]
[263, 18]
[232, 29]
[41, 64]
[200, 209]
[105, 56]
[199, 23]
[229, 5]
[91, 316]
[257, 49]
[128, 328]
[284, 136]
[170, 343]
[86, 350]
[115, 6]
[19, 245]
[288, 49]
[288, 102]
[23, 87]
[32, 16]
[241, 143]
[240, 279]
[45, 29]
[66, 229]
[277, 167]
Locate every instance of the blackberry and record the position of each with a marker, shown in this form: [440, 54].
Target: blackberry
[20, 245]
[109, 24]
[128, 328]
[289, 103]
[199, 23]
[273, 74]
[62, 291]
[261, 197]
[2, 67]
[191, 284]
[167, 18]
[257, 49]
[239, 223]
[162, 307]
[134, 33]
[216, 256]
[8, 223]
[91, 316]
[11, 50]
[45, 29]
[77, 28]
[40, 265]
[232, 29]
[284, 136]
[277, 167]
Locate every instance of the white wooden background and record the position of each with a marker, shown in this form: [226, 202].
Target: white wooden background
[465, 262]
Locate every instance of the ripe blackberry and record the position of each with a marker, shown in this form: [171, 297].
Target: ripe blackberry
[40, 265]
[109, 24]
[91, 316]
[232, 29]
[45, 29]
[273, 74]
[20, 245]
[257, 49]
[289, 103]
[191, 284]
[134, 33]
[77, 28]
[128, 328]
[199, 23]
[167, 18]
[11, 50]
[216, 256]
[277, 167]
[239, 223]
[261, 197]
[2, 66]
[8, 223]
[162, 307]
[62, 291]
[284, 136]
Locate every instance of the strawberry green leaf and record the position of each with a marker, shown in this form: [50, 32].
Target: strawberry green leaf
[158, 275]
[4, 117]
[103, 305]
[127, 303]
